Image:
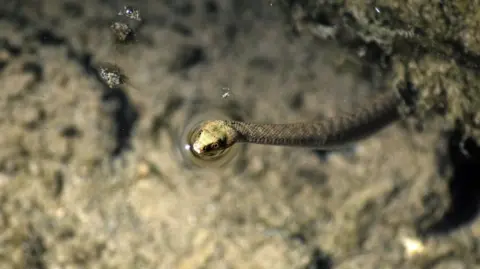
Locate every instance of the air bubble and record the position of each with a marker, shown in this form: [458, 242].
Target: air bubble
[131, 13]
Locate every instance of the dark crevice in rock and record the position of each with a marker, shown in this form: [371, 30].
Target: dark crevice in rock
[319, 260]
[125, 116]
[464, 186]
[34, 250]
[187, 57]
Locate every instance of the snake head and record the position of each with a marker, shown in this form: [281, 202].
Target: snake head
[211, 138]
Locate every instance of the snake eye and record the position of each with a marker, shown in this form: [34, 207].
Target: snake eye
[211, 147]
[214, 146]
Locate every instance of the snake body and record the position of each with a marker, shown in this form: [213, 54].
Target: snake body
[218, 135]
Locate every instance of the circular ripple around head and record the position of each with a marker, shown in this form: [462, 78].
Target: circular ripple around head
[193, 160]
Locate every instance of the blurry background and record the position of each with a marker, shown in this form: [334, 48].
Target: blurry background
[90, 176]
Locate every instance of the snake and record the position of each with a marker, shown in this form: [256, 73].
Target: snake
[212, 137]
